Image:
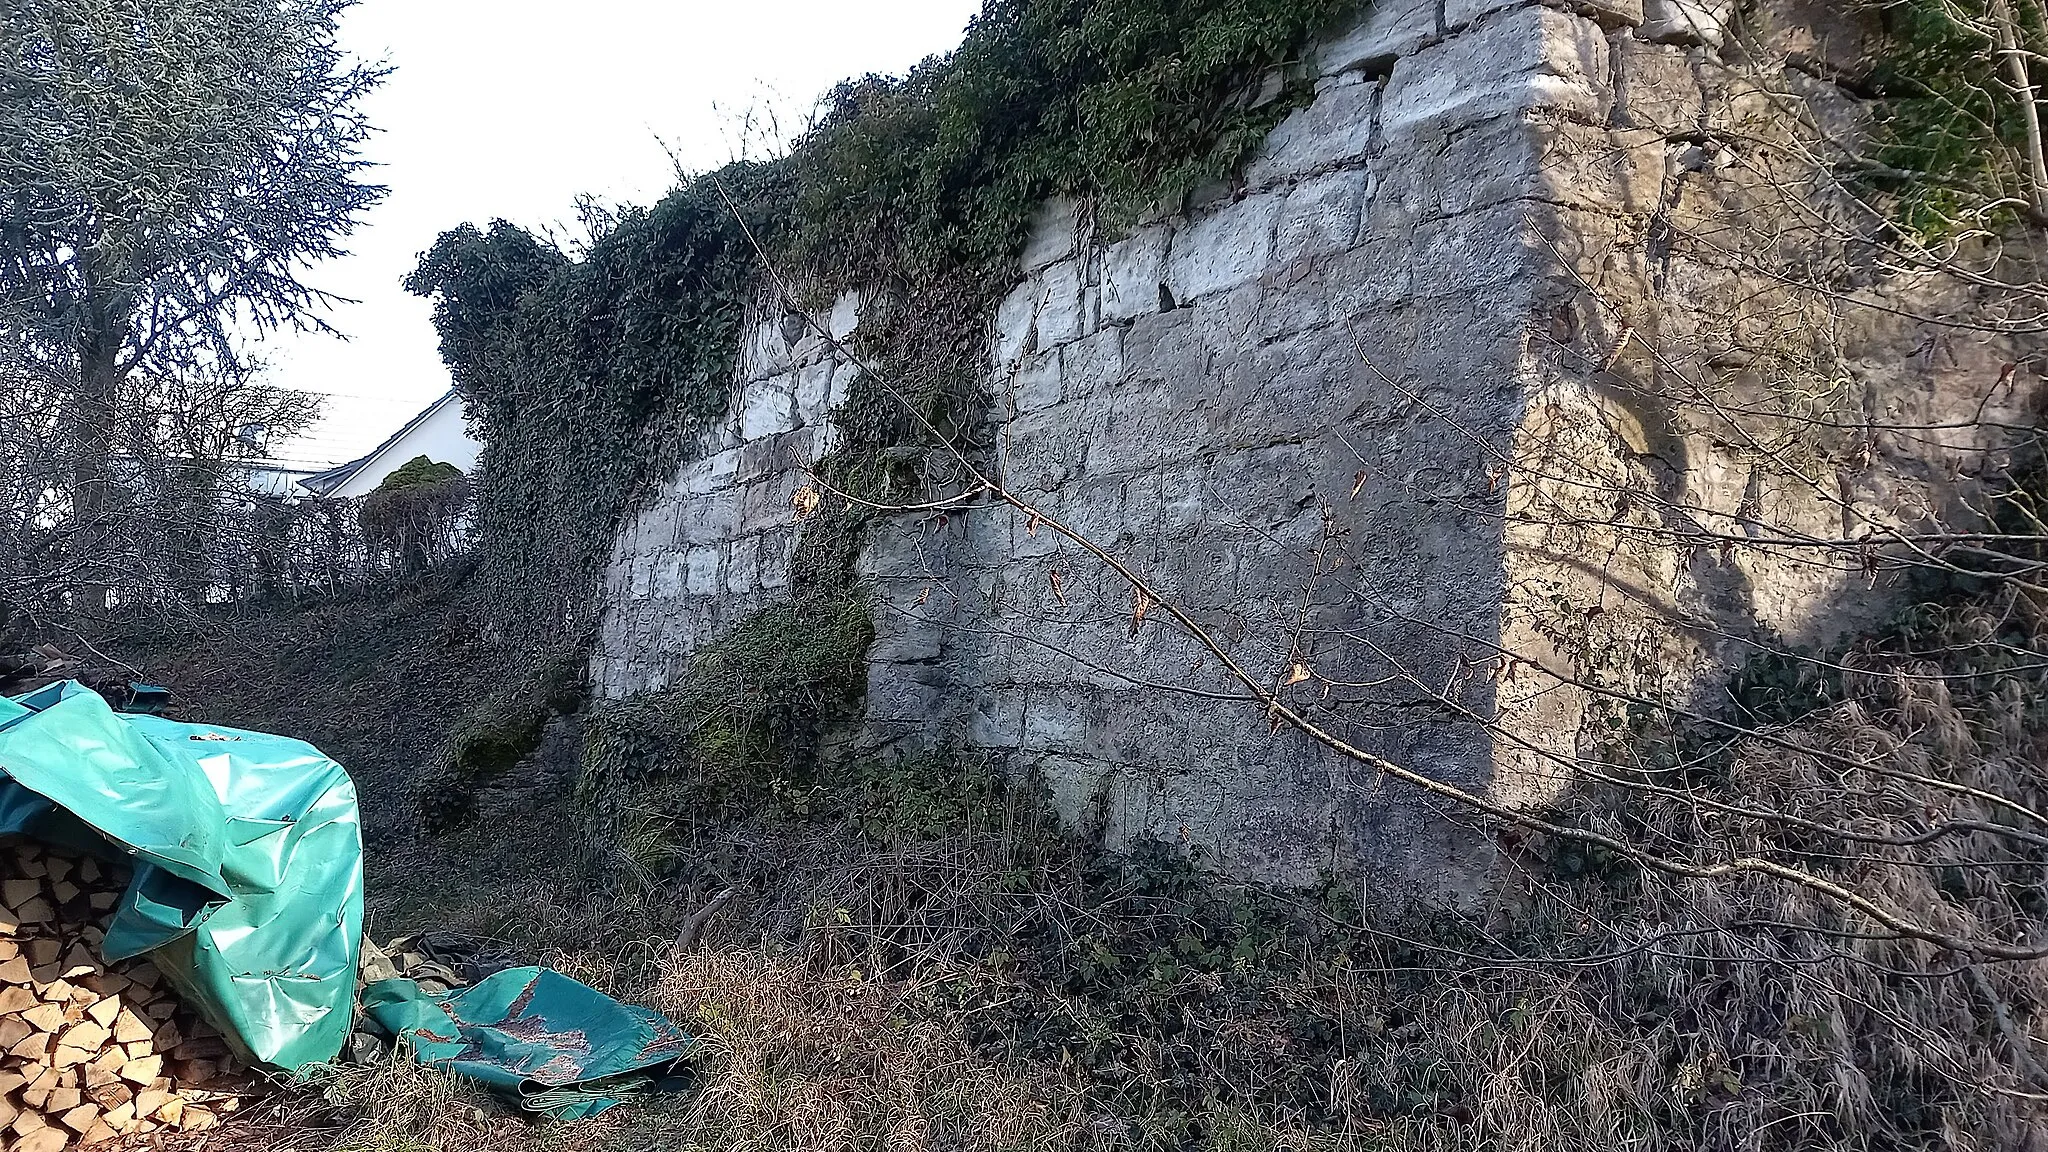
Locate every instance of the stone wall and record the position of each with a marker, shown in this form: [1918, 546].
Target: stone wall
[1459, 402]
[715, 543]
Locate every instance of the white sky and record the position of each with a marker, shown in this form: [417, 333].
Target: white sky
[510, 110]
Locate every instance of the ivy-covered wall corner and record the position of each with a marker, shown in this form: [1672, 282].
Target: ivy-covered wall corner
[1299, 307]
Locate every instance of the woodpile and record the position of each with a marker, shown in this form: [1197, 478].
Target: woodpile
[91, 1052]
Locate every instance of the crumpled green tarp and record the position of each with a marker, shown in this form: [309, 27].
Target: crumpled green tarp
[551, 1044]
[248, 885]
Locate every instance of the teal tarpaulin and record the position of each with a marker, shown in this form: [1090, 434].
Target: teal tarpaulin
[555, 1046]
[248, 885]
[248, 896]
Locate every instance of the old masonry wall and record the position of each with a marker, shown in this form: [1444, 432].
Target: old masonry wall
[1429, 414]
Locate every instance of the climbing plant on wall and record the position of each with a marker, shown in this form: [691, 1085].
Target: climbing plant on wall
[589, 372]
[1961, 83]
[588, 375]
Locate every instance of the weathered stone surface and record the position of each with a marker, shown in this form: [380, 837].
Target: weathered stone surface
[668, 575]
[1016, 324]
[1612, 13]
[1389, 29]
[845, 315]
[813, 395]
[1658, 88]
[1370, 418]
[1224, 249]
[1687, 21]
[1061, 312]
[1097, 362]
[1036, 382]
[1336, 128]
[1054, 235]
[1133, 272]
[768, 408]
[1513, 61]
[1320, 217]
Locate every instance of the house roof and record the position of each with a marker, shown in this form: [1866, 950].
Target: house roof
[332, 479]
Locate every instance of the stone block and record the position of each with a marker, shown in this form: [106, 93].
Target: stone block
[1512, 62]
[1658, 88]
[1373, 274]
[1475, 250]
[905, 692]
[768, 407]
[1687, 21]
[803, 448]
[1320, 217]
[1037, 382]
[1168, 346]
[1043, 449]
[1223, 249]
[768, 503]
[843, 378]
[895, 548]
[1016, 323]
[1133, 270]
[640, 579]
[700, 570]
[996, 720]
[708, 473]
[906, 639]
[743, 565]
[770, 349]
[1389, 29]
[656, 526]
[845, 315]
[1610, 13]
[1336, 128]
[1143, 429]
[1027, 543]
[1094, 364]
[669, 580]
[1062, 315]
[1056, 720]
[776, 549]
[712, 516]
[813, 396]
[1054, 235]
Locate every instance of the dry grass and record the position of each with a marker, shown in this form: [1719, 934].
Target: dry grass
[797, 1060]
[987, 984]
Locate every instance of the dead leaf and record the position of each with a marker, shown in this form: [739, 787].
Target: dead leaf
[1057, 590]
[1358, 486]
[1143, 605]
[1628, 332]
[806, 501]
[1298, 674]
[1031, 528]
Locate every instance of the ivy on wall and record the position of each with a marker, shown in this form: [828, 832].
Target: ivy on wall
[588, 376]
[589, 373]
[1955, 137]
[1127, 104]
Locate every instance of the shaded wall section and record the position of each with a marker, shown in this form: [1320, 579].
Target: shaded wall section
[1426, 421]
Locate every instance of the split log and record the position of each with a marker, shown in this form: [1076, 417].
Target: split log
[91, 1053]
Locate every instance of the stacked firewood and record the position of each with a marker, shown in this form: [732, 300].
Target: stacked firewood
[90, 1052]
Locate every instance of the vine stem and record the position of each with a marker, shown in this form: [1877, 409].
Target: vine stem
[2015, 55]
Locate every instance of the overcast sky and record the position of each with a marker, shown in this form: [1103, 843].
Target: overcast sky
[511, 110]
